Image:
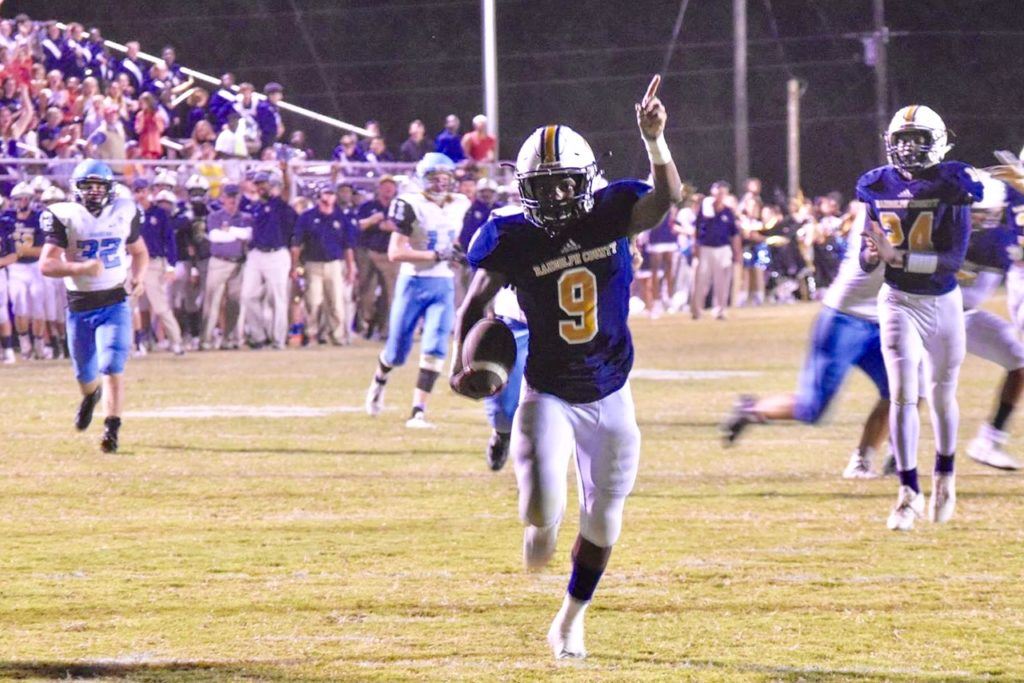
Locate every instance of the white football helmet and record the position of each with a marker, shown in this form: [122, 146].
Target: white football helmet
[905, 152]
[53, 194]
[167, 178]
[555, 152]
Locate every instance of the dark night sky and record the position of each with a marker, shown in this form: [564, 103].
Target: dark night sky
[585, 62]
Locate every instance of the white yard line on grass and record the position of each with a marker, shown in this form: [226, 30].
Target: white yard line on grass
[679, 375]
[205, 412]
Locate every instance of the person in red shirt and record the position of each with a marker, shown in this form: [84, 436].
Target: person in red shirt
[478, 144]
[150, 125]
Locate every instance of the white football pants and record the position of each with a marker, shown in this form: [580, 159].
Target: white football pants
[27, 290]
[603, 435]
[1015, 294]
[918, 327]
[988, 335]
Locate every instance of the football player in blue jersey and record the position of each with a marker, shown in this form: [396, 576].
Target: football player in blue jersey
[88, 243]
[919, 208]
[567, 256]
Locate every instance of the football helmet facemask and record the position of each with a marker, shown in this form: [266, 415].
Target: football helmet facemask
[555, 171]
[916, 139]
[436, 173]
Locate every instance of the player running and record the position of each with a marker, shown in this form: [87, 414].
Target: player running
[567, 255]
[88, 243]
[919, 208]
[845, 334]
[426, 227]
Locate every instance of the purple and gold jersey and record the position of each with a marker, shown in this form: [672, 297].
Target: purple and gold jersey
[929, 213]
[574, 290]
[994, 244]
[24, 232]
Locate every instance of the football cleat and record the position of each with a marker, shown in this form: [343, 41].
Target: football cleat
[942, 502]
[987, 448]
[497, 450]
[419, 421]
[742, 415]
[539, 544]
[108, 444]
[375, 397]
[859, 466]
[85, 409]
[909, 507]
[566, 634]
[9, 357]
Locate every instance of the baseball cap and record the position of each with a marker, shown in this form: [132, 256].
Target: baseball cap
[720, 184]
[231, 190]
[261, 177]
[139, 184]
[272, 87]
[387, 178]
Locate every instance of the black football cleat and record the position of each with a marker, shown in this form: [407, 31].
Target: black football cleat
[742, 415]
[85, 409]
[108, 444]
[497, 450]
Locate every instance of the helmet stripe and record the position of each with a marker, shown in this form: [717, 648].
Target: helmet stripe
[549, 144]
[909, 116]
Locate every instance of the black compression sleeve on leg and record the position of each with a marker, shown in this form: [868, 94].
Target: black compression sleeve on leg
[426, 379]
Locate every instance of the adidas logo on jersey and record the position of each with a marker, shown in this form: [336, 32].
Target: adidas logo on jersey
[906, 193]
[570, 246]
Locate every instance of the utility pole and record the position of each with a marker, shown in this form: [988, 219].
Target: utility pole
[793, 136]
[490, 47]
[880, 39]
[742, 123]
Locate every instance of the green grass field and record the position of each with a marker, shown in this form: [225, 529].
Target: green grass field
[339, 547]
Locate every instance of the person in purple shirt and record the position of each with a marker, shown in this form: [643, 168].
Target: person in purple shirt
[268, 118]
[54, 48]
[322, 244]
[717, 248]
[449, 140]
[479, 211]
[267, 265]
[348, 149]
[372, 261]
[229, 229]
[158, 234]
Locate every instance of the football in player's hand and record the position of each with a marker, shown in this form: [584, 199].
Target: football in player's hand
[488, 356]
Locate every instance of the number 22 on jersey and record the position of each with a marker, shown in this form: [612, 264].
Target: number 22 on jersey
[920, 231]
[577, 297]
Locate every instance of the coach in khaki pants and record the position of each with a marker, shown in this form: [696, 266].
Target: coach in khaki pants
[717, 246]
[229, 229]
[158, 235]
[375, 268]
[265, 278]
[323, 241]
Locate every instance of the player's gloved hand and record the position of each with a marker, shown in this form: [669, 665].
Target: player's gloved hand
[471, 384]
[453, 254]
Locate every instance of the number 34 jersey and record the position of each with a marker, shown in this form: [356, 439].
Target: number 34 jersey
[574, 290]
[83, 236]
[929, 213]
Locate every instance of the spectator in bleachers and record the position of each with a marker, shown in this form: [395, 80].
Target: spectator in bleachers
[149, 127]
[99, 63]
[109, 139]
[479, 145]
[373, 126]
[230, 142]
[88, 106]
[196, 104]
[348, 149]
[202, 132]
[132, 66]
[54, 48]
[14, 126]
[298, 142]
[246, 105]
[222, 101]
[268, 118]
[76, 56]
[9, 96]
[449, 141]
[55, 94]
[26, 33]
[372, 263]
[7, 41]
[416, 145]
[50, 134]
[174, 73]
[378, 152]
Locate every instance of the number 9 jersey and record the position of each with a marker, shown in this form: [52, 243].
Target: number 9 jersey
[927, 214]
[83, 236]
[574, 289]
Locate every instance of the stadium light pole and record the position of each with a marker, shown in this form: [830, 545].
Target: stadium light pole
[793, 92]
[742, 123]
[880, 39]
[490, 47]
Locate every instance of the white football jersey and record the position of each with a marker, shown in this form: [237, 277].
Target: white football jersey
[429, 226]
[854, 291]
[102, 237]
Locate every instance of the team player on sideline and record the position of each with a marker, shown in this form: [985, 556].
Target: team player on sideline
[426, 229]
[919, 208]
[567, 254]
[88, 243]
[845, 334]
[26, 289]
[8, 255]
[991, 252]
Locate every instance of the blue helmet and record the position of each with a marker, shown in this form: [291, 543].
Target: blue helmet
[429, 169]
[85, 177]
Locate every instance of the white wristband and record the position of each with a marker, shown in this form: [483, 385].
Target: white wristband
[921, 263]
[657, 151]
